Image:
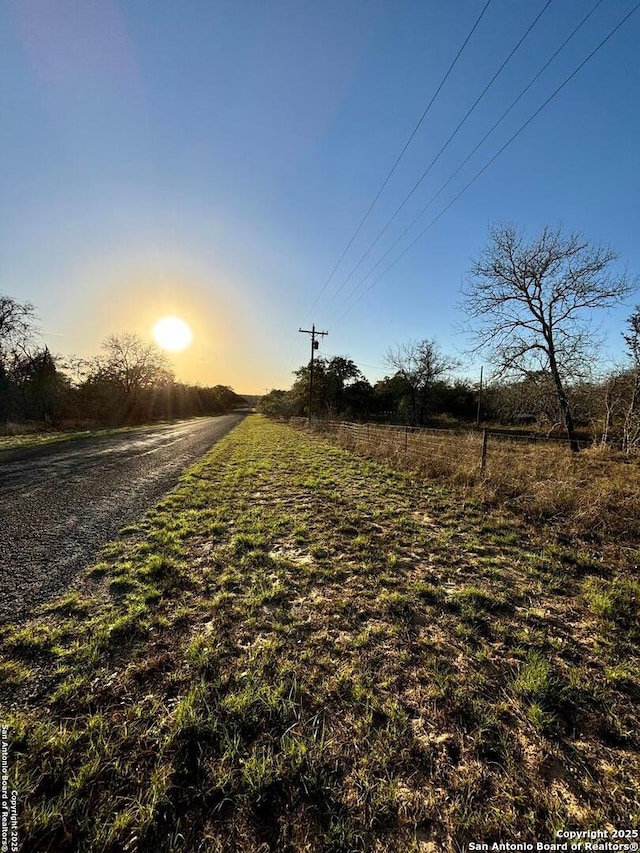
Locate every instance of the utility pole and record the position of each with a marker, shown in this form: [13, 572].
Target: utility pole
[314, 346]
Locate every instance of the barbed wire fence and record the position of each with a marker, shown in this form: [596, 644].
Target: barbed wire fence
[473, 452]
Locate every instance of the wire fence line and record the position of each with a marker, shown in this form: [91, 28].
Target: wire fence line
[473, 448]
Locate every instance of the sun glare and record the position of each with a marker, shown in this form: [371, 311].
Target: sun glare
[172, 333]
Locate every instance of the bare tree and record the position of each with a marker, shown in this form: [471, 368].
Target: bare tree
[17, 323]
[530, 304]
[419, 364]
[130, 367]
[133, 364]
[17, 328]
[531, 399]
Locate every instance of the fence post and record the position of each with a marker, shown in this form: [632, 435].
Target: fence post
[406, 438]
[483, 455]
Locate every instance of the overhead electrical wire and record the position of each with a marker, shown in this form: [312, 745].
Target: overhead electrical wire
[443, 148]
[401, 154]
[397, 161]
[492, 160]
[473, 151]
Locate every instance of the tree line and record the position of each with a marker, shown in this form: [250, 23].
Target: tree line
[130, 381]
[416, 392]
[531, 307]
[606, 409]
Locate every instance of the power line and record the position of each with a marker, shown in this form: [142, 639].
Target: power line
[444, 147]
[493, 159]
[400, 156]
[470, 155]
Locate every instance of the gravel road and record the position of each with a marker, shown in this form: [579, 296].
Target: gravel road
[60, 503]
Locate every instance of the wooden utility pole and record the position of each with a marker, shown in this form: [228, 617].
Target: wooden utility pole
[314, 346]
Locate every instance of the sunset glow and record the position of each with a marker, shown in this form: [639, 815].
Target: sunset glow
[172, 333]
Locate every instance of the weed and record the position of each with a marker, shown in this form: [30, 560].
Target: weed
[13, 673]
[541, 720]
[202, 656]
[34, 639]
[533, 680]
[616, 604]
[75, 687]
[243, 543]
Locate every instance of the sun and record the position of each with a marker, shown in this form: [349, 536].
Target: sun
[172, 333]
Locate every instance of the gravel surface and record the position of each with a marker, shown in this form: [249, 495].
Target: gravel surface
[60, 503]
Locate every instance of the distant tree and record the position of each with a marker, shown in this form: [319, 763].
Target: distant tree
[419, 364]
[133, 364]
[631, 436]
[331, 377]
[42, 387]
[17, 323]
[122, 378]
[75, 368]
[339, 373]
[530, 304]
[359, 400]
[390, 394]
[225, 398]
[17, 330]
[632, 337]
[531, 399]
[6, 394]
[277, 404]
[458, 399]
[300, 388]
[168, 399]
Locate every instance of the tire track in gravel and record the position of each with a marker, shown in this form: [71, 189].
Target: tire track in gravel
[60, 503]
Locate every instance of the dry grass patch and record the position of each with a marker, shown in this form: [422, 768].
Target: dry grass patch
[595, 494]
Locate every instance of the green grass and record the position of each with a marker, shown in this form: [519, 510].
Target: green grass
[301, 650]
[616, 605]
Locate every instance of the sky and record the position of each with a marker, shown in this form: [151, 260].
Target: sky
[212, 160]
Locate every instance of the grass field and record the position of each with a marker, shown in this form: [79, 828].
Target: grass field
[303, 650]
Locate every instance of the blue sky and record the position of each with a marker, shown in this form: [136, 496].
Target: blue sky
[213, 159]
